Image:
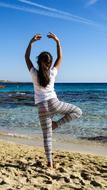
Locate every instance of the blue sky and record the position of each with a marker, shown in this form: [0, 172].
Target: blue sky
[79, 24]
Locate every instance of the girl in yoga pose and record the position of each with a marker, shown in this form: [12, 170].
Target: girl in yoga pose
[45, 97]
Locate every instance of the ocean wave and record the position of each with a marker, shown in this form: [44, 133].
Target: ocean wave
[16, 135]
[19, 136]
[21, 93]
[12, 134]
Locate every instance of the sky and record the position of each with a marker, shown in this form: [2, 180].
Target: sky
[81, 26]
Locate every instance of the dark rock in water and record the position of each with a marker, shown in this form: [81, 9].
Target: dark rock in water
[97, 138]
[105, 129]
[15, 98]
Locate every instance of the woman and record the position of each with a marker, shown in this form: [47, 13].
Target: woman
[45, 96]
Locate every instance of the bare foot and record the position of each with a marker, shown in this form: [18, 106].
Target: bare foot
[54, 125]
[50, 165]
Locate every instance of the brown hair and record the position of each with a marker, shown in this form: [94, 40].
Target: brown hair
[44, 63]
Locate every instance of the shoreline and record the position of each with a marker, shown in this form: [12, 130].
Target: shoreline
[30, 82]
[62, 143]
[24, 167]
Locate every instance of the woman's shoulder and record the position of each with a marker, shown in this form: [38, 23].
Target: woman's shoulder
[54, 70]
[33, 70]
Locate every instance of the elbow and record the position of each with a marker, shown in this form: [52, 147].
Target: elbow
[60, 57]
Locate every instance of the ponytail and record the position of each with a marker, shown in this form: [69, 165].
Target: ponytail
[44, 62]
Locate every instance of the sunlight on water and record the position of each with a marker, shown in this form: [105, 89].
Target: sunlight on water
[18, 114]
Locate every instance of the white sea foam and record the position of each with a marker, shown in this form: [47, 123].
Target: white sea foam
[21, 93]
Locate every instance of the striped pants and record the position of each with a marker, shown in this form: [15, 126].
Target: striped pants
[46, 110]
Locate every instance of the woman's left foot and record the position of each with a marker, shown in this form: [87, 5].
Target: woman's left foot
[54, 125]
[50, 165]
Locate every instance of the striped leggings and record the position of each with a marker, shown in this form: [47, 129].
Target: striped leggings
[46, 110]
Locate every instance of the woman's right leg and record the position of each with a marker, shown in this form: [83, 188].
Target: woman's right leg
[46, 125]
[69, 111]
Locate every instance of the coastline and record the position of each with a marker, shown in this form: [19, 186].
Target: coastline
[24, 167]
[80, 163]
[76, 82]
[59, 142]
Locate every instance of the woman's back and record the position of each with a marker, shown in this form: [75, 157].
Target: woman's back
[44, 93]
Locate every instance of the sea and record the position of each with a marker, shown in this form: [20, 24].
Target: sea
[19, 115]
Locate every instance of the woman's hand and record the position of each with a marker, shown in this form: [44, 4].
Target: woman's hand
[35, 38]
[53, 36]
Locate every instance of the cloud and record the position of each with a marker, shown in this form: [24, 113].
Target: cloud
[92, 2]
[61, 14]
[47, 11]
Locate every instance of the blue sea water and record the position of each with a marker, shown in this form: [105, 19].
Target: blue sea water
[18, 114]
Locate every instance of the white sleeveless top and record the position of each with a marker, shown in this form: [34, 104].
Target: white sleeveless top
[43, 93]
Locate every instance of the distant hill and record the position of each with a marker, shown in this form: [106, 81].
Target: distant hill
[5, 81]
[8, 81]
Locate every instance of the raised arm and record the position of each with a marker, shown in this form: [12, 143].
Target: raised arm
[59, 50]
[28, 51]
